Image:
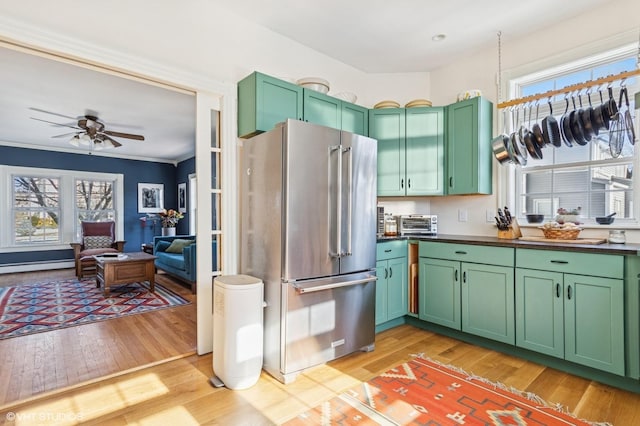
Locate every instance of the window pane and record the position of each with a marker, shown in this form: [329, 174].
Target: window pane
[36, 209]
[94, 201]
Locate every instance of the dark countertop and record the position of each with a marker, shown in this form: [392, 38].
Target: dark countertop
[606, 248]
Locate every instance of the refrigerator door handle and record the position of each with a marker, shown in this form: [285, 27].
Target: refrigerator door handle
[338, 148]
[305, 290]
[349, 199]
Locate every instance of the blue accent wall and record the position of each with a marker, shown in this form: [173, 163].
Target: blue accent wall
[134, 171]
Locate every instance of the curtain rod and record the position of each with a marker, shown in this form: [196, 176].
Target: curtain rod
[569, 89]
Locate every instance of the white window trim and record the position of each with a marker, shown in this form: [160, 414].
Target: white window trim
[510, 82]
[67, 207]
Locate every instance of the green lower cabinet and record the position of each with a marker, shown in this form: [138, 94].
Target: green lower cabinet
[576, 317]
[439, 292]
[488, 302]
[392, 286]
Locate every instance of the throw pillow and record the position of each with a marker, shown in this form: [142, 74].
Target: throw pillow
[177, 245]
[97, 241]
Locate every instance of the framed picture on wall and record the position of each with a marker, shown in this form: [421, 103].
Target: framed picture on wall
[182, 197]
[150, 197]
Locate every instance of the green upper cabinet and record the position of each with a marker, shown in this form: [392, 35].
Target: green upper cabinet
[355, 119]
[425, 151]
[469, 154]
[332, 112]
[388, 126]
[410, 150]
[264, 101]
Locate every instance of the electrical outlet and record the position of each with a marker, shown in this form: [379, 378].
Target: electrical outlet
[491, 215]
[462, 215]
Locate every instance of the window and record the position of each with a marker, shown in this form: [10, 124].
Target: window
[36, 209]
[47, 205]
[586, 176]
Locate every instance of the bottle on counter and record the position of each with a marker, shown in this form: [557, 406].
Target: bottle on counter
[617, 236]
[390, 226]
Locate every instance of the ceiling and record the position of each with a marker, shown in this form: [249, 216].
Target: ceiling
[353, 32]
[165, 117]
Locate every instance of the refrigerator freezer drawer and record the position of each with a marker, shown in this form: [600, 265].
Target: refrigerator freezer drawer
[327, 319]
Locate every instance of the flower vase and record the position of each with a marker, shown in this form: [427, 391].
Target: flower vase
[168, 232]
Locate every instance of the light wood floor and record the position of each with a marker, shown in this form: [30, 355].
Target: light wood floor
[178, 392]
[44, 362]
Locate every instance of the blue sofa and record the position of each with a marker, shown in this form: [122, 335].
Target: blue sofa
[179, 265]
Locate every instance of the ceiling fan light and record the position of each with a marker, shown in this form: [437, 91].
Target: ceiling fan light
[75, 140]
[85, 140]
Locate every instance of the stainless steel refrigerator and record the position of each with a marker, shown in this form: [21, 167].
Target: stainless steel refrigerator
[308, 230]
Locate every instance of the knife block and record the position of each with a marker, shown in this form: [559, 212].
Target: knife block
[513, 233]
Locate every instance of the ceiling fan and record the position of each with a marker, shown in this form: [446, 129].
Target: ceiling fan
[90, 131]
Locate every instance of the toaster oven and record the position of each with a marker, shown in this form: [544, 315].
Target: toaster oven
[418, 224]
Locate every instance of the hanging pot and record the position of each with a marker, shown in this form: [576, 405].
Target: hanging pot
[500, 146]
[537, 132]
[584, 116]
[565, 127]
[551, 129]
[527, 137]
[597, 120]
[603, 109]
[576, 128]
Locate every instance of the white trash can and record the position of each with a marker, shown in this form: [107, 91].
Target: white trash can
[238, 301]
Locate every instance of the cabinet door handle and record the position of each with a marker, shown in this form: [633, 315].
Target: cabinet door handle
[562, 262]
[569, 292]
[451, 182]
[558, 290]
[460, 252]
[390, 272]
[409, 183]
[402, 183]
[386, 273]
[455, 275]
[464, 277]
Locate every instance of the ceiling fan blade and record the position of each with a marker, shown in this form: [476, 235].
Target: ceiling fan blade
[123, 135]
[113, 141]
[52, 113]
[56, 124]
[67, 134]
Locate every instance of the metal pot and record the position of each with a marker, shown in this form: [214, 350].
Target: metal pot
[500, 146]
[551, 130]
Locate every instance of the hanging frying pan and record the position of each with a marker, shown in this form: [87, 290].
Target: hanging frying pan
[550, 129]
[603, 108]
[628, 120]
[565, 126]
[537, 131]
[574, 124]
[584, 121]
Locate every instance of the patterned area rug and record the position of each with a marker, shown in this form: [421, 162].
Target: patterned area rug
[33, 308]
[423, 392]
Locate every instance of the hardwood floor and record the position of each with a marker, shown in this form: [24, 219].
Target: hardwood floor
[44, 362]
[178, 392]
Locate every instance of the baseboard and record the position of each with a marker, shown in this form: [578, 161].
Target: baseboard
[36, 266]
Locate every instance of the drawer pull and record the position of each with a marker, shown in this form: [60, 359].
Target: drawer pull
[461, 252]
[387, 251]
[562, 262]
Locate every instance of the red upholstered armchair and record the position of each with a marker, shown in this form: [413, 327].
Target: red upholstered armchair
[97, 238]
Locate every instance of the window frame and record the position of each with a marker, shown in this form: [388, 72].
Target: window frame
[68, 224]
[511, 176]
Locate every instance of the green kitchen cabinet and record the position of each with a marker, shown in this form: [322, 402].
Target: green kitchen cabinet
[332, 112]
[562, 312]
[264, 101]
[392, 284]
[469, 152]
[410, 150]
[468, 288]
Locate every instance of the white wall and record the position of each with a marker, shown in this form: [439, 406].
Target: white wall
[202, 38]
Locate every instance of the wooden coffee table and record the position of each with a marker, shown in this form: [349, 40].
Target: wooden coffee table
[135, 267]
